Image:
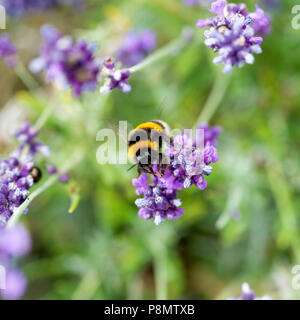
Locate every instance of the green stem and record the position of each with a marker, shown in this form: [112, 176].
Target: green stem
[87, 286]
[233, 202]
[44, 117]
[32, 85]
[19, 211]
[170, 49]
[288, 234]
[160, 275]
[26, 77]
[158, 250]
[215, 97]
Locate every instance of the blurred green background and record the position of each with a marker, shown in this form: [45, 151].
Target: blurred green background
[243, 227]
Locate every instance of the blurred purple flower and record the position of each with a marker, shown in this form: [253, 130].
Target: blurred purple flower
[7, 51]
[114, 78]
[201, 3]
[66, 63]
[64, 178]
[51, 169]
[26, 136]
[136, 46]
[15, 171]
[272, 4]
[233, 33]
[189, 163]
[248, 294]
[18, 8]
[15, 241]
[235, 214]
[16, 284]
[190, 3]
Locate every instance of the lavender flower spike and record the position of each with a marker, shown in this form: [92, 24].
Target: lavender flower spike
[15, 171]
[234, 33]
[67, 64]
[114, 78]
[159, 202]
[189, 164]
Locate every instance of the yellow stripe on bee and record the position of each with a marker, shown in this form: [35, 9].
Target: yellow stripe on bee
[150, 125]
[133, 149]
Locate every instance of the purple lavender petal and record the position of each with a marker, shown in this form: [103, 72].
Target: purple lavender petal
[261, 23]
[217, 7]
[16, 284]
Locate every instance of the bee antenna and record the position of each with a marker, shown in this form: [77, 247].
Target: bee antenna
[160, 108]
[134, 165]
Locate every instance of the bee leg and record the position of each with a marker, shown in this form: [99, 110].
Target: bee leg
[140, 170]
[162, 170]
[158, 173]
[151, 171]
[162, 164]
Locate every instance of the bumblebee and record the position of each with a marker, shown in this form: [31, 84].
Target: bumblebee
[36, 174]
[145, 146]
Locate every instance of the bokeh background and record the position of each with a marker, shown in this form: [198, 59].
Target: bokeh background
[243, 227]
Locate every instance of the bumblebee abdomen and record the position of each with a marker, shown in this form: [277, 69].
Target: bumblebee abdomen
[134, 150]
[139, 135]
[152, 125]
[146, 138]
